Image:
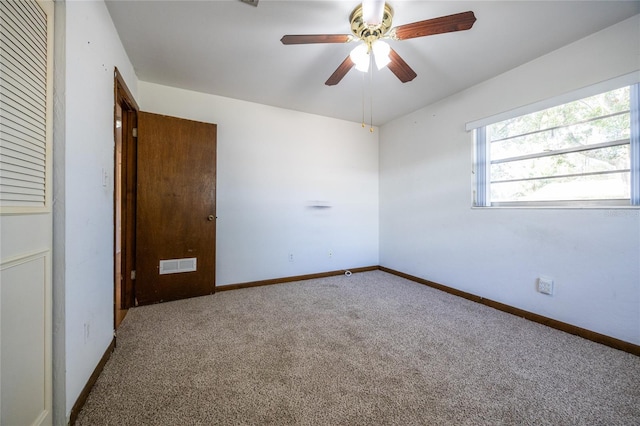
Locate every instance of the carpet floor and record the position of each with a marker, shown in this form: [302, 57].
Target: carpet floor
[369, 349]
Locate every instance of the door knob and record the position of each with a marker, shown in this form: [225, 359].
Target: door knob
[211, 217]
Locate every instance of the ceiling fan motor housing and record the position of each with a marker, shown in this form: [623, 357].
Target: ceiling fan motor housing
[369, 33]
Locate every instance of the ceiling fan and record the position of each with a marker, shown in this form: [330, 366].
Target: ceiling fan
[371, 23]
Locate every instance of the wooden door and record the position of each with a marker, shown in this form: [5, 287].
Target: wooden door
[176, 208]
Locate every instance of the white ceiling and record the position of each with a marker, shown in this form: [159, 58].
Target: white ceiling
[228, 48]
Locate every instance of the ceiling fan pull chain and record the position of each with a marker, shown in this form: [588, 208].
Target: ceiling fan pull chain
[371, 91]
[363, 84]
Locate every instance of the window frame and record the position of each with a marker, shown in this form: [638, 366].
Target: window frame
[482, 162]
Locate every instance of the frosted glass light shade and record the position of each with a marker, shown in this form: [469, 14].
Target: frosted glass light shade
[360, 56]
[381, 53]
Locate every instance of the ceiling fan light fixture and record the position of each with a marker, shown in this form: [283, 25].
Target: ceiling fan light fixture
[360, 56]
[381, 52]
[371, 21]
[372, 12]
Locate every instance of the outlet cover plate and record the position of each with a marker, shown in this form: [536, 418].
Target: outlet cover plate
[545, 285]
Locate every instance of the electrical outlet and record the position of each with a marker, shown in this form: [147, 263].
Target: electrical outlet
[330, 254]
[87, 332]
[290, 257]
[545, 285]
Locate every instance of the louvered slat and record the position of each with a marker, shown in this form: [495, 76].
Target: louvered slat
[36, 15]
[22, 183]
[19, 170]
[11, 93]
[23, 116]
[18, 45]
[13, 132]
[35, 119]
[27, 78]
[15, 144]
[11, 198]
[14, 27]
[20, 164]
[11, 89]
[15, 116]
[29, 180]
[30, 72]
[23, 104]
[15, 156]
[8, 191]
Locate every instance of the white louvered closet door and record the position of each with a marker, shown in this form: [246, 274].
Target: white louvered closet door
[26, 76]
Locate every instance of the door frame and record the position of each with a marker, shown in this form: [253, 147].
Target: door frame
[127, 201]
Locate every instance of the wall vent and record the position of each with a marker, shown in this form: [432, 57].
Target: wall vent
[176, 266]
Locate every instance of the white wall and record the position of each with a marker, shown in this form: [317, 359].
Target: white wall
[272, 165]
[83, 206]
[428, 228]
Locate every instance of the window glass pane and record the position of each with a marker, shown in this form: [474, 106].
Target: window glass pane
[597, 160]
[611, 128]
[590, 187]
[576, 151]
[581, 110]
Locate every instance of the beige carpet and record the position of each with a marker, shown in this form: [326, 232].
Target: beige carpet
[368, 349]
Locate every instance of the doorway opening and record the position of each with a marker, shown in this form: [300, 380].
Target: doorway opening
[125, 124]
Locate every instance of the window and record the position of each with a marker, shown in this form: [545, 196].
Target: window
[583, 152]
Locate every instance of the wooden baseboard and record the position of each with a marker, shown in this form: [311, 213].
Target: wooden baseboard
[82, 398]
[294, 278]
[559, 325]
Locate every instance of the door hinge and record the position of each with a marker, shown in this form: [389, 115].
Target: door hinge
[135, 132]
[133, 274]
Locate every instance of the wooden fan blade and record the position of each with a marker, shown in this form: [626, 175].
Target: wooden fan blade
[444, 24]
[316, 38]
[340, 72]
[400, 68]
